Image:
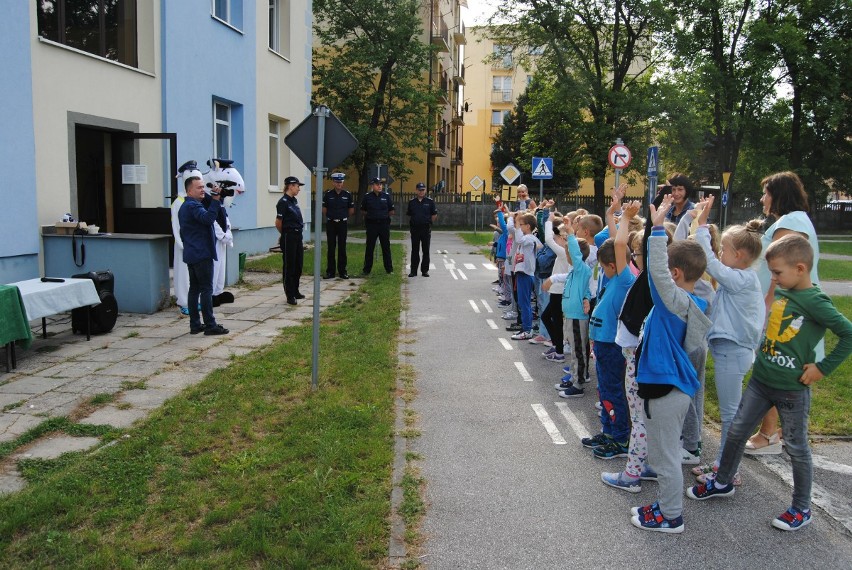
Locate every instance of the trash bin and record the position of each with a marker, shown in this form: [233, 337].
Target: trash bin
[242, 264]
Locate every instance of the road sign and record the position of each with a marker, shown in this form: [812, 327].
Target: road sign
[619, 157]
[476, 182]
[542, 168]
[726, 180]
[510, 173]
[338, 144]
[653, 160]
[724, 199]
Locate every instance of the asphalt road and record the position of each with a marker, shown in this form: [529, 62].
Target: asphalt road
[504, 492]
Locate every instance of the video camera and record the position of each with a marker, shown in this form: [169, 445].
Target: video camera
[226, 188]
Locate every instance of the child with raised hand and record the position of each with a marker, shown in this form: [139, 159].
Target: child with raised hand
[783, 372]
[526, 242]
[637, 450]
[672, 355]
[737, 314]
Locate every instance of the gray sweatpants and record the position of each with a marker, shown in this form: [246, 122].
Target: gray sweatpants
[663, 422]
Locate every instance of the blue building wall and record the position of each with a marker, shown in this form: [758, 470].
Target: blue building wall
[206, 60]
[19, 245]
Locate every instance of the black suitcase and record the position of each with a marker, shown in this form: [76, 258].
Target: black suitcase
[105, 313]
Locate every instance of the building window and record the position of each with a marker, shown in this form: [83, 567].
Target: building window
[228, 11]
[274, 153]
[105, 29]
[503, 57]
[222, 130]
[501, 89]
[222, 10]
[498, 117]
[279, 26]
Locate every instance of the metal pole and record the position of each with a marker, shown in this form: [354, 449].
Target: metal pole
[322, 113]
[540, 191]
[617, 177]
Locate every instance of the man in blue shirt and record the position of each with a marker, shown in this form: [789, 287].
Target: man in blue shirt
[377, 206]
[422, 213]
[199, 252]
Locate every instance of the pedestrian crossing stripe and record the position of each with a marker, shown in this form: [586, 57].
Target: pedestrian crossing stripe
[541, 170]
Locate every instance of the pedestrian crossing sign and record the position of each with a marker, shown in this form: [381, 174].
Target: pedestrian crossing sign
[542, 168]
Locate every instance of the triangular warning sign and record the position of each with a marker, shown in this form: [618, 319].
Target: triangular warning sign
[652, 161]
[541, 169]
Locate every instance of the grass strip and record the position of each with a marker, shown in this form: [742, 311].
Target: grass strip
[835, 270]
[836, 247]
[247, 468]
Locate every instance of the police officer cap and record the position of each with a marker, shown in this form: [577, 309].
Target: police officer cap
[338, 177]
[375, 180]
[421, 186]
[292, 180]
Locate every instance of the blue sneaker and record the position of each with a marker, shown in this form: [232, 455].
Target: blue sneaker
[548, 352]
[642, 511]
[612, 450]
[571, 392]
[792, 519]
[709, 490]
[648, 474]
[566, 369]
[653, 519]
[595, 441]
[563, 385]
[184, 310]
[622, 481]
[568, 378]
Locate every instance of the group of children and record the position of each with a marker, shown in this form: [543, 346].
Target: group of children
[651, 305]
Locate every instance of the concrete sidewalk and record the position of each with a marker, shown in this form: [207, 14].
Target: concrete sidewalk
[143, 361]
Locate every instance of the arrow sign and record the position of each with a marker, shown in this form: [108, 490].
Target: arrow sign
[653, 160]
[619, 157]
[542, 168]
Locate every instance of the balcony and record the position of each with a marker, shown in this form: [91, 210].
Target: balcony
[441, 37]
[504, 62]
[457, 158]
[438, 146]
[458, 35]
[444, 86]
[458, 119]
[501, 96]
[458, 75]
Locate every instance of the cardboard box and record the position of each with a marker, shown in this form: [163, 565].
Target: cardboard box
[67, 228]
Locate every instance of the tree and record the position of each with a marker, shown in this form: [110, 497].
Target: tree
[372, 71]
[508, 142]
[600, 54]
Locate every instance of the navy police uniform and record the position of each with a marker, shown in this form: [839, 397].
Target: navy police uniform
[337, 207]
[420, 226]
[291, 245]
[377, 210]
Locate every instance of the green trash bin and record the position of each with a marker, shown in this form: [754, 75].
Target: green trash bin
[242, 265]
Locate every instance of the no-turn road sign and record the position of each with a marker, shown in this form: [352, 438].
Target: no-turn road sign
[619, 157]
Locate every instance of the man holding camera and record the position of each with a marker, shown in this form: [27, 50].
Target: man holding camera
[337, 207]
[289, 222]
[199, 253]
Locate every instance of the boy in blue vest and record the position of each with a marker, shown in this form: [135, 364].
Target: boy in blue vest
[673, 351]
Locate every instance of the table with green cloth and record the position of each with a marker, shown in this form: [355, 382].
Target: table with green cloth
[13, 324]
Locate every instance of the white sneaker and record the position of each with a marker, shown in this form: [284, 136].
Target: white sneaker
[537, 339]
[522, 335]
[689, 458]
[510, 315]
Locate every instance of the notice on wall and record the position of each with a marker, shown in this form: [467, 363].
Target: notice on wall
[134, 174]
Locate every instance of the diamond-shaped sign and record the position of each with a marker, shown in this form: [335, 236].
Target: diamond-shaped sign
[476, 182]
[510, 173]
[339, 143]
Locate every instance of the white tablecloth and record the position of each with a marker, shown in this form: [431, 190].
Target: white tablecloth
[43, 299]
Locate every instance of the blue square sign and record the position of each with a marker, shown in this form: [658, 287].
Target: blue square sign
[653, 160]
[542, 168]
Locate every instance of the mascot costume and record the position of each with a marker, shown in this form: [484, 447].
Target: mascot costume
[224, 179]
[181, 273]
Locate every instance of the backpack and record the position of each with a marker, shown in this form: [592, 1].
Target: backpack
[544, 260]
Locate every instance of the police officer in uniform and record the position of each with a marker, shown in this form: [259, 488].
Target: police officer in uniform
[422, 213]
[289, 222]
[378, 208]
[337, 207]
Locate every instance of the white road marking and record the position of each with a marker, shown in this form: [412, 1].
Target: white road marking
[572, 420]
[837, 508]
[491, 324]
[462, 275]
[469, 266]
[828, 465]
[486, 305]
[453, 261]
[431, 266]
[506, 344]
[453, 273]
[490, 266]
[523, 372]
[449, 265]
[548, 424]
[474, 305]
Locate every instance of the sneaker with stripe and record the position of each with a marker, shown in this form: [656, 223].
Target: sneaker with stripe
[792, 519]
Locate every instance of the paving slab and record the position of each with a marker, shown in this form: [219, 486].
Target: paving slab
[53, 404]
[13, 424]
[92, 385]
[139, 343]
[110, 353]
[32, 385]
[127, 368]
[11, 481]
[173, 380]
[53, 447]
[148, 399]
[112, 416]
[72, 369]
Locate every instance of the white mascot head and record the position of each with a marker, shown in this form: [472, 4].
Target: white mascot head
[223, 174]
[187, 170]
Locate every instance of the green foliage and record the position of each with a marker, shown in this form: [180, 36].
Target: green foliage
[372, 72]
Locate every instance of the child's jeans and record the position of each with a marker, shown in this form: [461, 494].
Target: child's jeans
[525, 285]
[615, 421]
[731, 362]
[794, 407]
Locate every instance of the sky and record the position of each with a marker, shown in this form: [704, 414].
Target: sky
[478, 11]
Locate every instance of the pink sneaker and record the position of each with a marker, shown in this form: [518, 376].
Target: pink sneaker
[537, 339]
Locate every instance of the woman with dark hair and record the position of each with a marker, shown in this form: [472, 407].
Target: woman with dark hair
[785, 199]
[681, 187]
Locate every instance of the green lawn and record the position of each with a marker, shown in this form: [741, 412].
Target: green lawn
[834, 270]
[354, 252]
[840, 248]
[249, 468]
[831, 406]
[394, 234]
[482, 238]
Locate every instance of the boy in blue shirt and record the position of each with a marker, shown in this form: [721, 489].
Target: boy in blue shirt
[672, 358]
[609, 361]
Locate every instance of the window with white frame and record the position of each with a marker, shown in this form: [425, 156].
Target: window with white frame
[498, 117]
[222, 130]
[279, 26]
[228, 11]
[274, 154]
[222, 10]
[501, 88]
